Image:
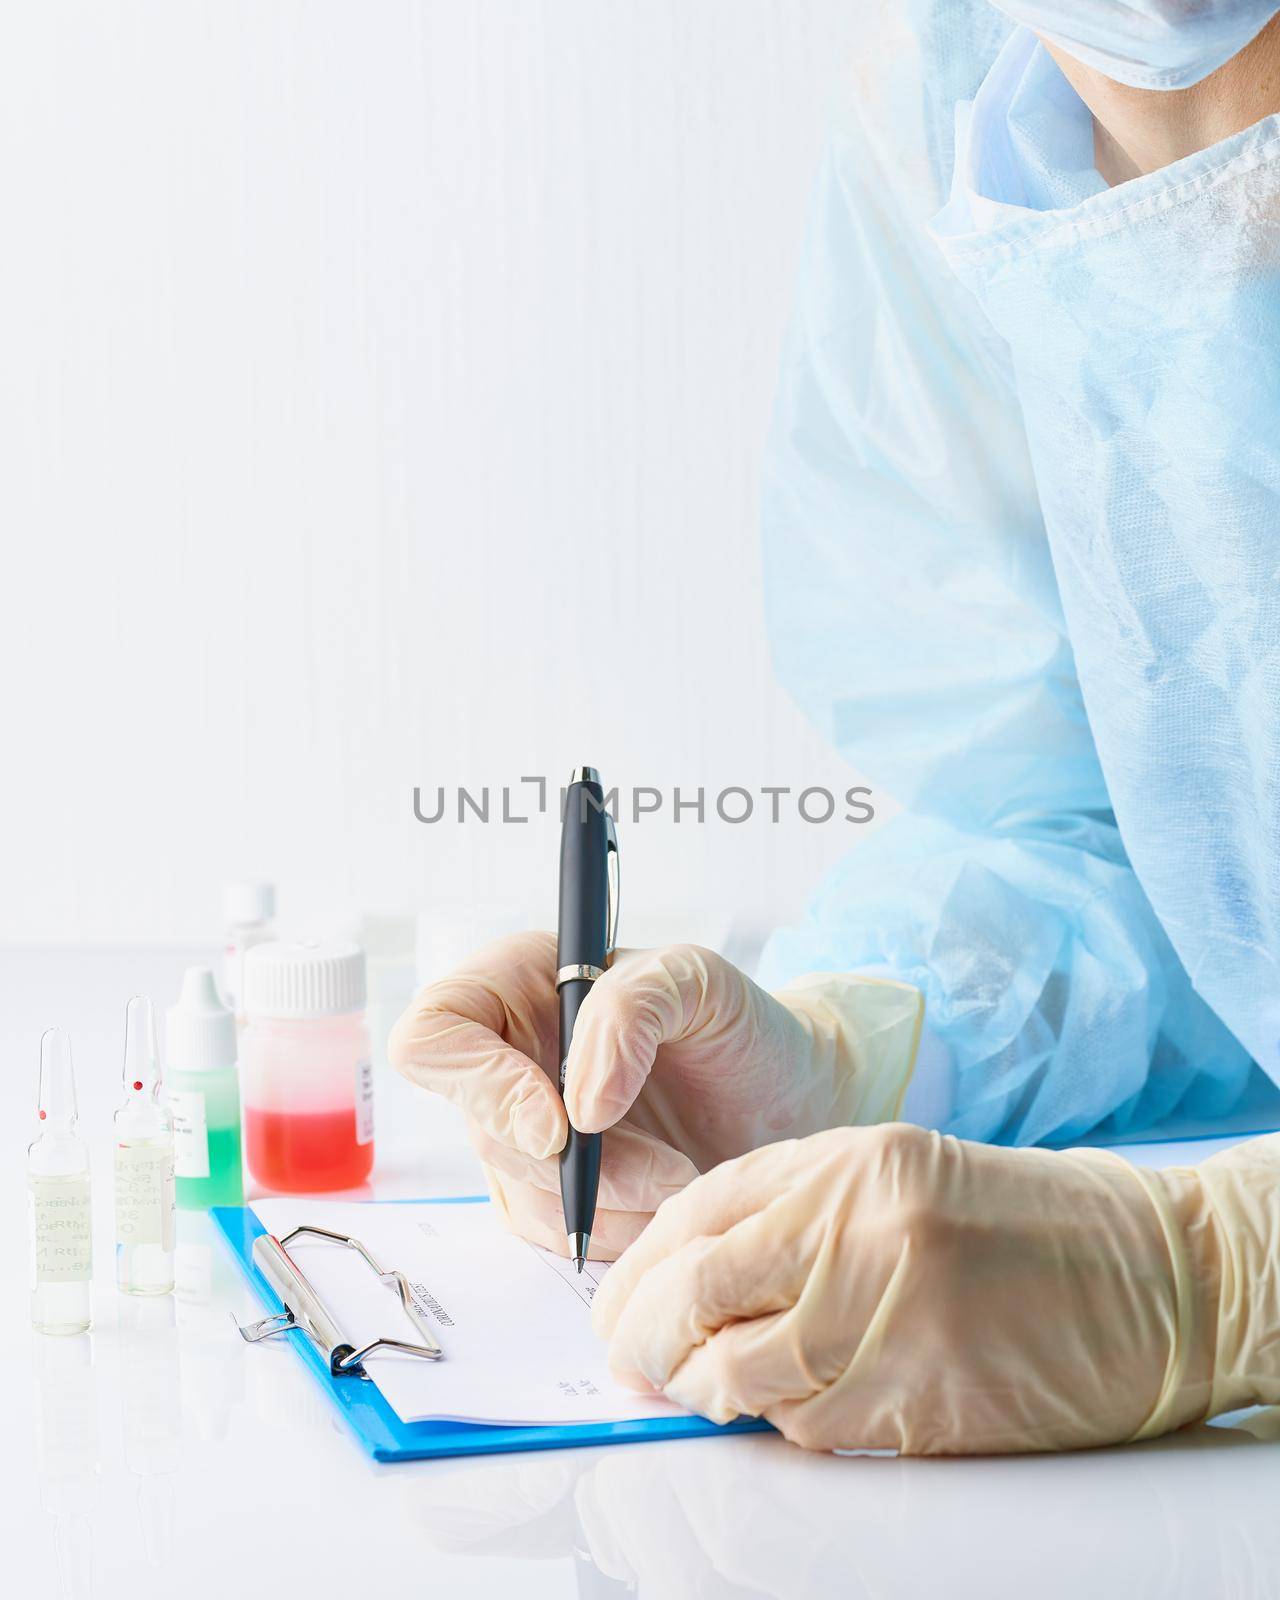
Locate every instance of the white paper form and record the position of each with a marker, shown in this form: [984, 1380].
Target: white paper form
[514, 1321]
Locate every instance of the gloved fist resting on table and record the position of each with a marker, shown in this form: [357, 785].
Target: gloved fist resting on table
[677, 1057]
[891, 1288]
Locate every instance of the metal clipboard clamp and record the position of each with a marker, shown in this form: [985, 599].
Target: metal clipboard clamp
[305, 1312]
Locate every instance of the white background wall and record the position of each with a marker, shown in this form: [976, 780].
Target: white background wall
[382, 402]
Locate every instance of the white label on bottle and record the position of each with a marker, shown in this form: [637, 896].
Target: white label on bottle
[144, 1193]
[61, 1237]
[364, 1102]
[190, 1133]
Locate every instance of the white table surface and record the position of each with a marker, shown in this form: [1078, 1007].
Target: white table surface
[159, 1455]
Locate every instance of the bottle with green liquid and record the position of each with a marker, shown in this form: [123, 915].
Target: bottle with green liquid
[204, 1094]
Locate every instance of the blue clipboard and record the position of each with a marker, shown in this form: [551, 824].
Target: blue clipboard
[380, 1431]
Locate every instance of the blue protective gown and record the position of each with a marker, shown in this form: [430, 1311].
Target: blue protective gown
[1022, 536]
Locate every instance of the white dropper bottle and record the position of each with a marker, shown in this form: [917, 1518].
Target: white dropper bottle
[58, 1198]
[144, 1181]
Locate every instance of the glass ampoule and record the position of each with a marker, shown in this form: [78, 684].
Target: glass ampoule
[144, 1179]
[58, 1198]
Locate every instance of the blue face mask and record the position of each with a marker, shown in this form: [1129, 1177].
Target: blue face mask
[1153, 44]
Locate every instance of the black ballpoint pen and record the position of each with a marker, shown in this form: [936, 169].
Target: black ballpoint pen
[587, 929]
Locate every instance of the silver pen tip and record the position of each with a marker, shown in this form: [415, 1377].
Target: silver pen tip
[579, 1262]
[579, 1249]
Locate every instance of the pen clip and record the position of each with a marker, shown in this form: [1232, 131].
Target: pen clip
[615, 885]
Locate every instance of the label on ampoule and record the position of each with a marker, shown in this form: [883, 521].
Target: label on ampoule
[364, 1101]
[61, 1236]
[144, 1194]
[190, 1133]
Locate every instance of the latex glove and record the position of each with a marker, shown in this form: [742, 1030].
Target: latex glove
[891, 1288]
[675, 1052]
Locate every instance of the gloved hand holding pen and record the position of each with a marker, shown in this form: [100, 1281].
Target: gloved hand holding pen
[678, 1055]
[861, 1287]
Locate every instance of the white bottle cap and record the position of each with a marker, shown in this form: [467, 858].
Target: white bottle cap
[306, 979]
[199, 1031]
[248, 902]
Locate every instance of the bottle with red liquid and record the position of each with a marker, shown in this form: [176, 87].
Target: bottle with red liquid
[306, 1067]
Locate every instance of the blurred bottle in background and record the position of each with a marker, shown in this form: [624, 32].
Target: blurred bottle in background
[248, 914]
